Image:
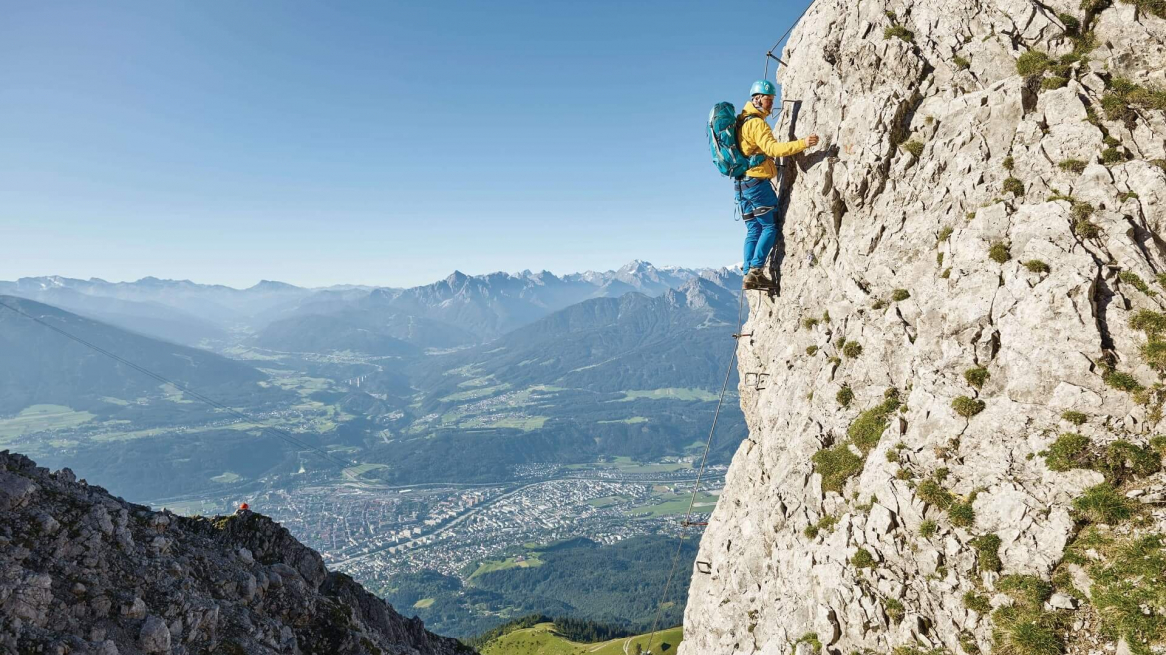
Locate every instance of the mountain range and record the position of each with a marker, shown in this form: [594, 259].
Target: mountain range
[463, 379]
[471, 308]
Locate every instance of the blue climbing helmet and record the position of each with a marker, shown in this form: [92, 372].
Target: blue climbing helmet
[763, 87]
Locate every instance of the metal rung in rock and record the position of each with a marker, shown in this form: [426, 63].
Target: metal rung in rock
[704, 567]
[756, 380]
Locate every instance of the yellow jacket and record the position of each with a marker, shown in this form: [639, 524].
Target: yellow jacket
[756, 136]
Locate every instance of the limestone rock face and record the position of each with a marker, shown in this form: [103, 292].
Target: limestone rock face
[960, 216]
[82, 572]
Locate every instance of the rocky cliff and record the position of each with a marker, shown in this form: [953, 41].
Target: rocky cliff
[953, 403]
[82, 572]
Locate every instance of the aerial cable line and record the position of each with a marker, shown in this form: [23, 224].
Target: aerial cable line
[769, 53]
[282, 434]
[700, 472]
[728, 374]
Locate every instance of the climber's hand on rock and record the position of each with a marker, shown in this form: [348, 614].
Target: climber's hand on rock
[812, 140]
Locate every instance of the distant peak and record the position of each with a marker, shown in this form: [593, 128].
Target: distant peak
[272, 285]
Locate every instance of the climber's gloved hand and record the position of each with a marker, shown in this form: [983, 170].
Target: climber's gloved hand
[812, 140]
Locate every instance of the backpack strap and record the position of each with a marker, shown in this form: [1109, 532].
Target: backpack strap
[741, 120]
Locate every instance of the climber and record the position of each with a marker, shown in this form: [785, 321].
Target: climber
[756, 197]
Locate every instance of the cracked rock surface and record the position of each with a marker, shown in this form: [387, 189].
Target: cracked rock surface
[935, 264]
[83, 572]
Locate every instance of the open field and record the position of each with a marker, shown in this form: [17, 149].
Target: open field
[630, 421]
[672, 504]
[670, 394]
[39, 418]
[542, 640]
[490, 566]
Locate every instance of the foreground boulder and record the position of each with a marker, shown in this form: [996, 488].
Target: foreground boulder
[953, 404]
[84, 572]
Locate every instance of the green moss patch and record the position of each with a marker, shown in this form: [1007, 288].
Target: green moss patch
[868, 428]
[863, 559]
[976, 376]
[1033, 62]
[844, 396]
[1069, 451]
[851, 349]
[988, 549]
[962, 515]
[899, 32]
[932, 493]
[836, 465]
[1036, 266]
[967, 407]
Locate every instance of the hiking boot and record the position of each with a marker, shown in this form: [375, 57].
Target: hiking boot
[756, 280]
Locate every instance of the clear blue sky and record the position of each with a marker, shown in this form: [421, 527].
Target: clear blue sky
[367, 142]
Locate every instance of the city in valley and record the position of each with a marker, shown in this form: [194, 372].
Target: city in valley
[374, 532]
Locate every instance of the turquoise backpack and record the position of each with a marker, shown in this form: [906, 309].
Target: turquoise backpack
[726, 150]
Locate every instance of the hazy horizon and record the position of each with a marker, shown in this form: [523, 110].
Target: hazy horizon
[245, 285]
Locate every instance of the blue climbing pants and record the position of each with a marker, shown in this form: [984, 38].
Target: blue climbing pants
[758, 205]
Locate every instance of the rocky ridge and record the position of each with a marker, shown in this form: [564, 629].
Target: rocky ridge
[83, 572]
[955, 398]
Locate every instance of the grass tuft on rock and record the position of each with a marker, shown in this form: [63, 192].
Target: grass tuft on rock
[962, 515]
[899, 32]
[851, 349]
[899, 295]
[863, 559]
[1014, 186]
[1130, 579]
[930, 492]
[1086, 229]
[1102, 503]
[977, 376]
[836, 465]
[914, 147]
[1069, 451]
[999, 253]
[844, 396]
[977, 603]
[895, 610]
[967, 407]
[1076, 418]
[988, 549]
[1122, 381]
[868, 428]
[961, 63]
[1033, 62]
[1132, 278]
[1072, 165]
[811, 350]
[1036, 266]
[928, 528]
